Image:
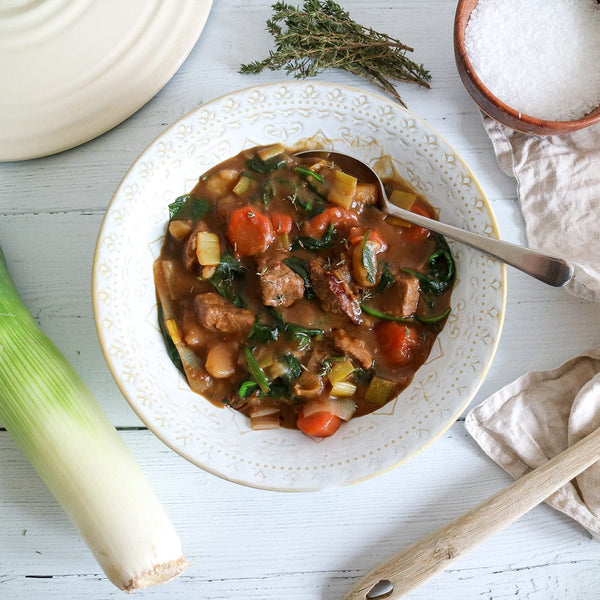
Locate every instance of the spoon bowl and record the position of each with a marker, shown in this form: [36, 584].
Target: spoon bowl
[547, 268]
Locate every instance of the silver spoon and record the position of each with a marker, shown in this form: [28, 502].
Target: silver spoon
[547, 268]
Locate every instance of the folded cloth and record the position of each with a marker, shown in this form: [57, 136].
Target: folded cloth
[558, 180]
[542, 413]
[538, 416]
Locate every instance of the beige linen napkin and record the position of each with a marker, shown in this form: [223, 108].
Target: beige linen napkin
[542, 413]
[538, 416]
[558, 180]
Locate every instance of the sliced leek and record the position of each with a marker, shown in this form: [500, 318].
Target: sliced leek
[208, 248]
[344, 408]
[342, 189]
[79, 455]
[342, 389]
[268, 152]
[379, 391]
[404, 200]
[244, 185]
[340, 370]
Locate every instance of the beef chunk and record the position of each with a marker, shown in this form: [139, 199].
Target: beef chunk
[403, 296]
[280, 286]
[353, 347]
[334, 290]
[219, 314]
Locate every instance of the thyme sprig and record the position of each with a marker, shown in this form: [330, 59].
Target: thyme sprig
[321, 35]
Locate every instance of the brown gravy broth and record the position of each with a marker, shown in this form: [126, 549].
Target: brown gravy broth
[289, 330]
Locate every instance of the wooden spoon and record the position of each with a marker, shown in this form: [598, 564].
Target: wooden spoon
[410, 567]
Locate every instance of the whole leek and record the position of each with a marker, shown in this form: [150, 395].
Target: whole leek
[79, 455]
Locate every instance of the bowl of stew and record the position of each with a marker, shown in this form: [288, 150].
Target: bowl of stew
[285, 293]
[265, 318]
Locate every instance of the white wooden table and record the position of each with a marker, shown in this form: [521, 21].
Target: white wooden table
[247, 543]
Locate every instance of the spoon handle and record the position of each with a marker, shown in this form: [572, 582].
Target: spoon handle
[549, 269]
[410, 567]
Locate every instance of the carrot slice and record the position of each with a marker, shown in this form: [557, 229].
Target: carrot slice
[319, 424]
[414, 233]
[397, 341]
[334, 214]
[250, 232]
[357, 236]
[282, 223]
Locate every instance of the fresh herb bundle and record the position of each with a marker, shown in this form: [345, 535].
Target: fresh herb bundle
[321, 35]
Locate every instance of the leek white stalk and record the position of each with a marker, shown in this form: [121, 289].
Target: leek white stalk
[79, 455]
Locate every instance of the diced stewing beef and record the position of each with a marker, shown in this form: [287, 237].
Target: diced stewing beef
[334, 290]
[407, 287]
[403, 296]
[219, 314]
[280, 285]
[352, 347]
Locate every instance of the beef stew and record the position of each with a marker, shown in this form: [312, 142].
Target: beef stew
[285, 293]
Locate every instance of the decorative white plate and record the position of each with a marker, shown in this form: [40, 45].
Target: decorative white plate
[219, 439]
[73, 69]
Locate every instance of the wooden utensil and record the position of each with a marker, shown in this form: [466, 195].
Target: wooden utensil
[410, 567]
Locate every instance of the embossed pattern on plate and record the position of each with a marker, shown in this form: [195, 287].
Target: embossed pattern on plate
[219, 440]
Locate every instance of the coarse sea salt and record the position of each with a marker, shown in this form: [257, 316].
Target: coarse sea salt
[540, 57]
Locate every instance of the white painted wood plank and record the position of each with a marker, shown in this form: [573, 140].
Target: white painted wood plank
[249, 543]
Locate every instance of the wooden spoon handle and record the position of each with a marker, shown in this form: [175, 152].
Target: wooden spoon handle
[410, 567]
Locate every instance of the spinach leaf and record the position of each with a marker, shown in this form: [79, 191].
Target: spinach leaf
[299, 333]
[362, 375]
[293, 365]
[367, 258]
[258, 165]
[223, 280]
[280, 387]
[267, 192]
[309, 204]
[246, 388]
[278, 186]
[313, 244]
[386, 279]
[441, 270]
[263, 333]
[189, 207]
[300, 267]
[434, 319]
[374, 312]
[303, 335]
[307, 173]
[427, 320]
[257, 373]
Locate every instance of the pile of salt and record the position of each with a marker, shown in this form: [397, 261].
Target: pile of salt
[541, 57]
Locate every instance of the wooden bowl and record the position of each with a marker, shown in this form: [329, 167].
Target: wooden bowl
[489, 103]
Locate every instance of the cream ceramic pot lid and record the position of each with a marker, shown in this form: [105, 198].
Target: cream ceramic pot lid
[73, 69]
